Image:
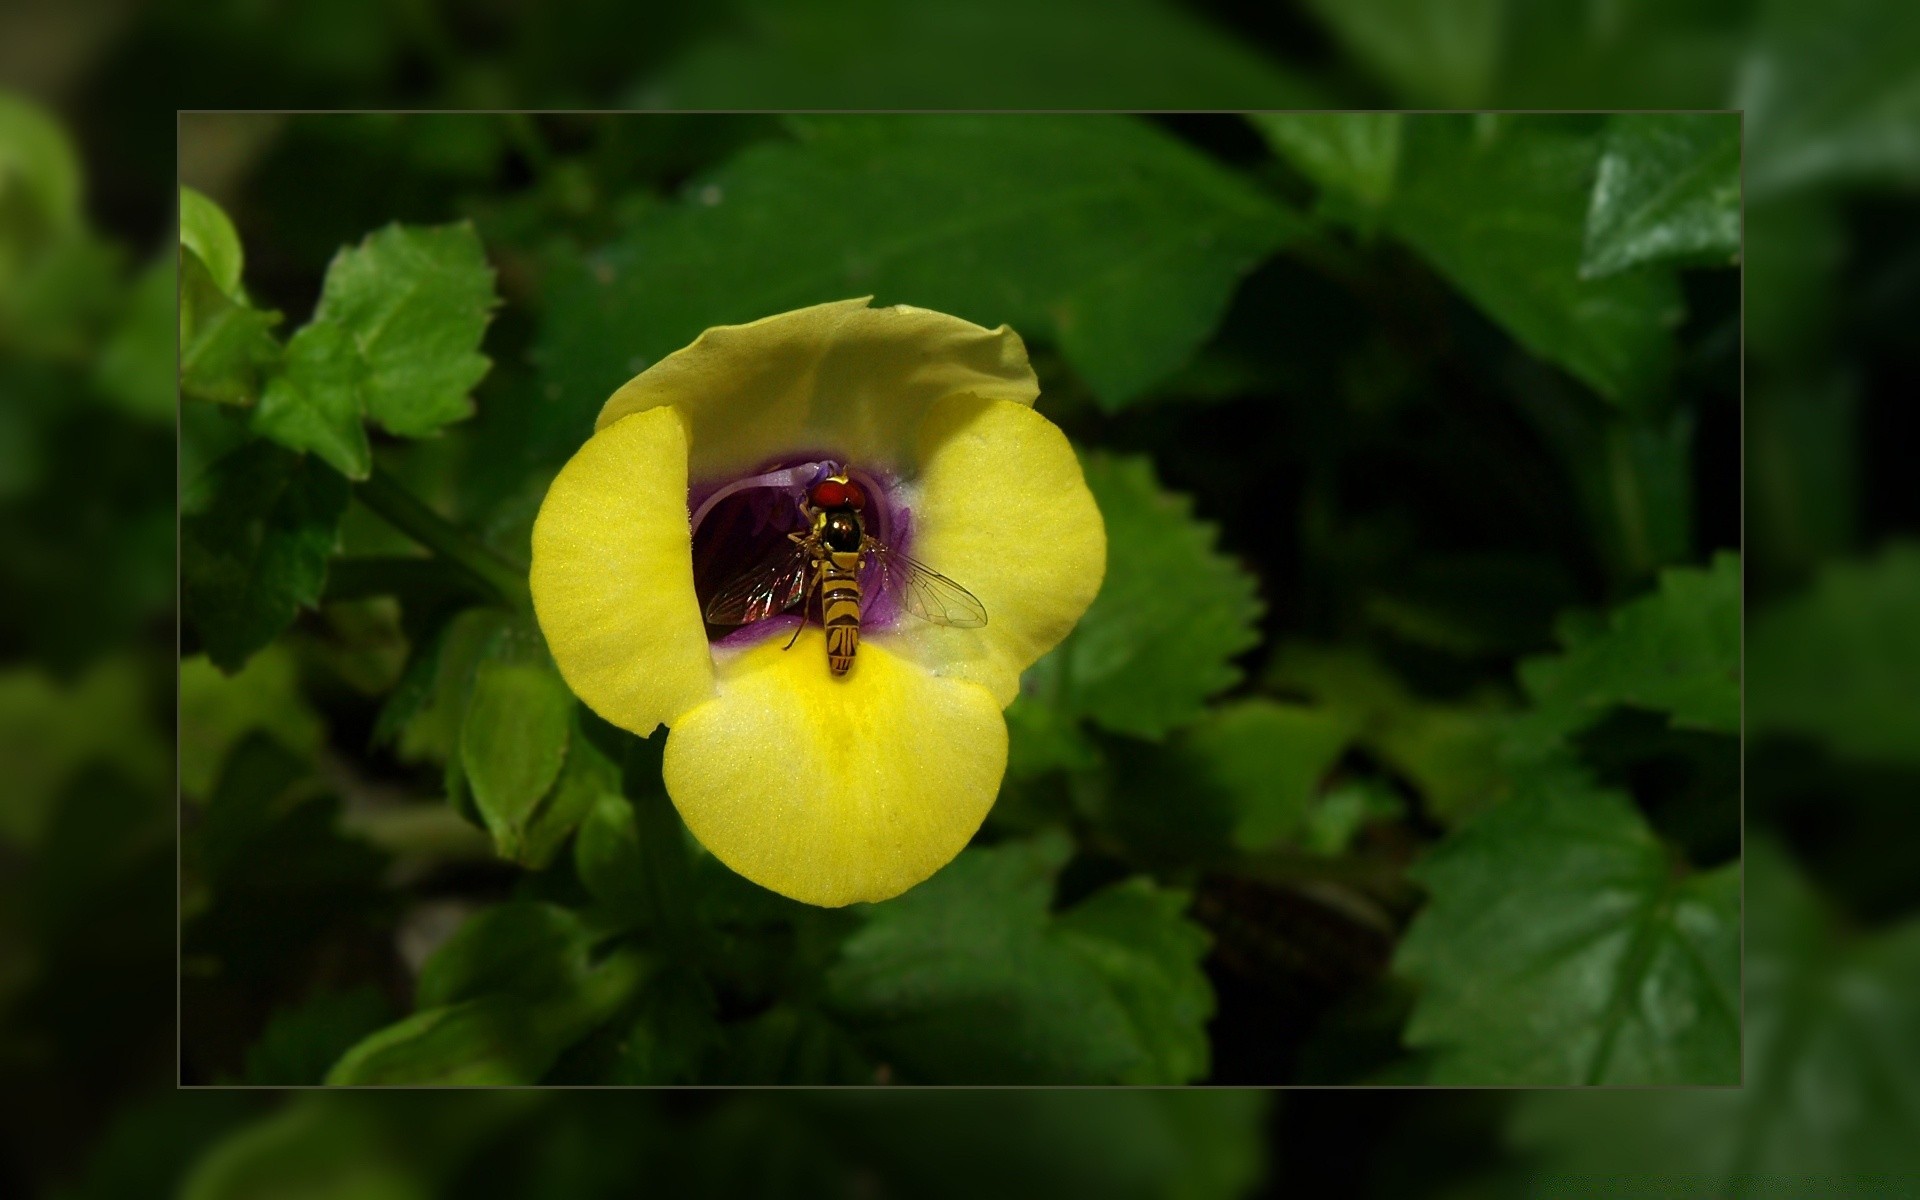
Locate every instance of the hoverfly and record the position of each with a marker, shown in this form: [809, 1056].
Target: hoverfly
[829, 556]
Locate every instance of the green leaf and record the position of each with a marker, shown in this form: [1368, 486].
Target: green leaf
[608, 859]
[226, 346]
[1830, 95]
[1840, 662]
[300, 1043]
[136, 366]
[1356, 155]
[314, 402]
[40, 180]
[1076, 54]
[674, 1032]
[206, 230]
[1502, 215]
[1668, 190]
[427, 707]
[510, 991]
[1431, 52]
[52, 730]
[1831, 1029]
[416, 301]
[1115, 241]
[218, 709]
[513, 741]
[1173, 613]
[1562, 944]
[1675, 650]
[968, 978]
[254, 541]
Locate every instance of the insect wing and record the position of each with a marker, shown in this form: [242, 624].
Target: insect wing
[768, 588]
[927, 593]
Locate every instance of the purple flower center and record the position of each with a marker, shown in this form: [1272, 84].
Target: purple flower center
[741, 526]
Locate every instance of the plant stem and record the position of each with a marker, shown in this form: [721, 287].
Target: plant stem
[405, 512]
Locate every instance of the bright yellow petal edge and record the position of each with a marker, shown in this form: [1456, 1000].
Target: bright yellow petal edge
[835, 790]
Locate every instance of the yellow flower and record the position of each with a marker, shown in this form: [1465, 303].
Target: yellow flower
[826, 788]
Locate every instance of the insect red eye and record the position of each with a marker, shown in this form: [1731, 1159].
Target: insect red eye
[836, 493]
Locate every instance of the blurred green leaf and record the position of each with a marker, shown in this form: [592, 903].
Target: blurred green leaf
[1668, 190]
[218, 709]
[301, 1042]
[1840, 661]
[1356, 155]
[968, 978]
[1562, 943]
[135, 368]
[1675, 650]
[226, 345]
[314, 401]
[415, 301]
[673, 1035]
[255, 536]
[1104, 235]
[1500, 210]
[40, 179]
[1830, 95]
[1832, 1048]
[513, 741]
[206, 230]
[511, 990]
[607, 856]
[1161, 636]
[1076, 54]
[1432, 52]
[51, 730]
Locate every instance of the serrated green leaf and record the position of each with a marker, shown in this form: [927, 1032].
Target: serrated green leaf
[206, 230]
[1431, 52]
[1675, 650]
[1101, 234]
[1831, 1029]
[416, 301]
[1830, 95]
[254, 542]
[300, 1043]
[314, 401]
[513, 741]
[1356, 155]
[1840, 662]
[1668, 190]
[1502, 216]
[968, 978]
[226, 346]
[1173, 613]
[1561, 944]
[1075, 54]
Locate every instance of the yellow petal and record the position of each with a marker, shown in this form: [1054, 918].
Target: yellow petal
[832, 790]
[612, 575]
[1002, 509]
[841, 379]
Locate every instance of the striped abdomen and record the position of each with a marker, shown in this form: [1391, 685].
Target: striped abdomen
[840, 608]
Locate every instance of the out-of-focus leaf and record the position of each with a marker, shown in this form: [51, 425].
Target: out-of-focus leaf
[1668, 189]
[1170, 617]
[673, 1034]
[314, 401]
[300, 1043]
[607, 856]
[1840, 662]
[513, 741]
[511, 990]
[1831, 96]
[1356, 155]
[415, 301]
[218, 709]
[1832, 1050]
[40, 178]
[1561, 944]
[207, 231]
[136, 366]
[1675, 650]
[254, 541]
[969, 978]
[866, 54]
[226, 345]
[1502, 215]
[1103, 235]
[50, 731]
[1431, 52]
